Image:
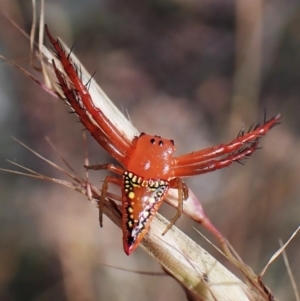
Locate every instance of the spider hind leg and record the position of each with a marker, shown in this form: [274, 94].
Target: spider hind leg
[108, 180]
[183, 194]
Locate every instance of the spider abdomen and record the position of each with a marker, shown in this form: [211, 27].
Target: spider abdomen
[141, 198]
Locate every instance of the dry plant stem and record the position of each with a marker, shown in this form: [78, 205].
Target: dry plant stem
[181, 257]
[196, 270]
[251, 277]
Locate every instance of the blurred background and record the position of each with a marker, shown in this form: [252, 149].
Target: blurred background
[192, 71]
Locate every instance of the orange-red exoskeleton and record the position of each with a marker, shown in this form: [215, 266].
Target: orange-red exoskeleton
[148, 165]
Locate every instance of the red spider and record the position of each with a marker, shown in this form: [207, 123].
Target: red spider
[148, 167]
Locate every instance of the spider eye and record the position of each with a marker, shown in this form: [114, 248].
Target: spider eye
[152, 141]
[172, 141]
[160, 143]
[142, 134]
[157, 136]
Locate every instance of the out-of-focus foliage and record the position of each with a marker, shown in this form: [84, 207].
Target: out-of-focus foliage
[187, 70]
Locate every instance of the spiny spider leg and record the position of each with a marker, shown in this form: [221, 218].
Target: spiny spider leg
[96, 132]
[196, 158]
[211, 165]
[119, 144]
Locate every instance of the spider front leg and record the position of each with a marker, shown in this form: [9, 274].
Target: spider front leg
[183, 194]
[206, 160]
[109, 179]
[77, 95]
[212, 165]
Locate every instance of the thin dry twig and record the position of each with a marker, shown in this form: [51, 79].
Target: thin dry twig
[278, 252]
[288, 268]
